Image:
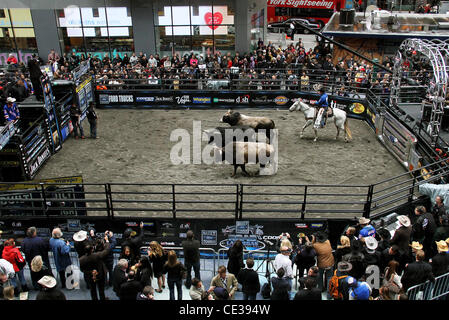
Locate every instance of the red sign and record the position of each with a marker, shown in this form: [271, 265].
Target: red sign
[217, 19]
[318, 4]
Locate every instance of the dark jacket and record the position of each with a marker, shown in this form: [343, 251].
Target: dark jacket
[281, 288]
[358, 267]
[441, 233]
[235, 261]
[36, 276]
[305, 294]
[304, 258]
[424, 227]
[36, 246]
[249, 279]
[416, 273]
[401, 238]
[118, 278]
[340, 252]
[134, 243]
[95, 261]
[174, 272]
[129, 290]
[80, 247]
[191, 251]
[51, 294]
[440, 264]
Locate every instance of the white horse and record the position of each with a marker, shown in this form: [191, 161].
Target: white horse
[340, 119]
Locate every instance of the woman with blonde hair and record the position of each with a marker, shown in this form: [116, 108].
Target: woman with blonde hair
[158, 257]
[343, 248]
[175, 273]
[38, 270]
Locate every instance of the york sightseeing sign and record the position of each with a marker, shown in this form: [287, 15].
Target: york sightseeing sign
[318, 4]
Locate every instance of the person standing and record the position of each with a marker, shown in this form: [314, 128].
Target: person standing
[120, 276]
[235, 258]
[12, 254]
[49, 290]
[281, 286]
[35, 76]
[61, 253]
[191, 248]
[424, 229]
[158, 257]
[94, 269]
[249, 279]
[175, 271]
[438, 209]
[75, 117]
[401, 236]
[310, 292]
[92, 118]
[10, 110]
[38, 270]
[325, 258]
[33, 246]
[417, 272]
[282, 261]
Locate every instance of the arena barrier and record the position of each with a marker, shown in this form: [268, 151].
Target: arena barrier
[430, 290]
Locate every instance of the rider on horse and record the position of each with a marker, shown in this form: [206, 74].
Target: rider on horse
[323, 103]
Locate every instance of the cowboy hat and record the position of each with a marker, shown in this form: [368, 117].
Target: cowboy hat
[404, 220]
[442, 246]
[364, 220]
[80, 235]
[344, 266]
[371, 244]
[10, 99]
[416, 245]
[47, 281]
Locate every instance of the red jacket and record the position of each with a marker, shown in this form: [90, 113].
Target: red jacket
[12, 255]
[12, 60]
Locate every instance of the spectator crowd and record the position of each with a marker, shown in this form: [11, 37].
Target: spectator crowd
[412, 254]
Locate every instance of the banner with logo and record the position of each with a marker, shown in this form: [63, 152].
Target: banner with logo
[221, 99]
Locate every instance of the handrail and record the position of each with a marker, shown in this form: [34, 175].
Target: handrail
[430, 290]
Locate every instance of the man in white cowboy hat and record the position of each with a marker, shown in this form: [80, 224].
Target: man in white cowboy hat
[49, 290]
[402, 234]
[366, 230]
[371, 256]
[440, 261]
[10, 110]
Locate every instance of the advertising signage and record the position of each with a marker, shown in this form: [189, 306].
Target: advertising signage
[223, 99]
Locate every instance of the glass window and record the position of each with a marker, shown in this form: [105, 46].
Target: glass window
[16, 35]
[96, 30]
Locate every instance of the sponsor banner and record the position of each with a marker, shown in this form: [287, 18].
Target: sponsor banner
[201, 100]
[223, 100]
[183, 99]
[37, 163]
[45, 182]
[312, 4]
[243, 99]
[281, 100]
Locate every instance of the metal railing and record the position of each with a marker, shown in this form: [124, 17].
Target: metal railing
[430, 290]
[224, 201]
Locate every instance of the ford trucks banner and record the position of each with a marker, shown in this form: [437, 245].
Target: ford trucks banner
[222, 99]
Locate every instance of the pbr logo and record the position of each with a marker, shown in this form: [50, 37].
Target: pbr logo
[281, 100]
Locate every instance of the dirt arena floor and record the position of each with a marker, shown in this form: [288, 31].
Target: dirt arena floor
[134, 147]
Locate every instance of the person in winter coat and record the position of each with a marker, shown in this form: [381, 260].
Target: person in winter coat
[12, 254]
[325, 258]
[235, 258]
[249, 279]
[402, 235]
[49, 290]
[33, 246]
[92, 265]
[424, 229]
[38, 270]
[133, 241]
[61, 253]
[175, 271]
[417, 272]
[281, 286]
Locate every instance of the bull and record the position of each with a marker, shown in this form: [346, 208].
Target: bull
[257, 123]
[220, 136]
[240, 153]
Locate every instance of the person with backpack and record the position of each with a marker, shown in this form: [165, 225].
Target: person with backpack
[338, 285]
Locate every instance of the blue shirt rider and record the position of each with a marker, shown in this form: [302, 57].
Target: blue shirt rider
[323, 103]
[10, 110]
